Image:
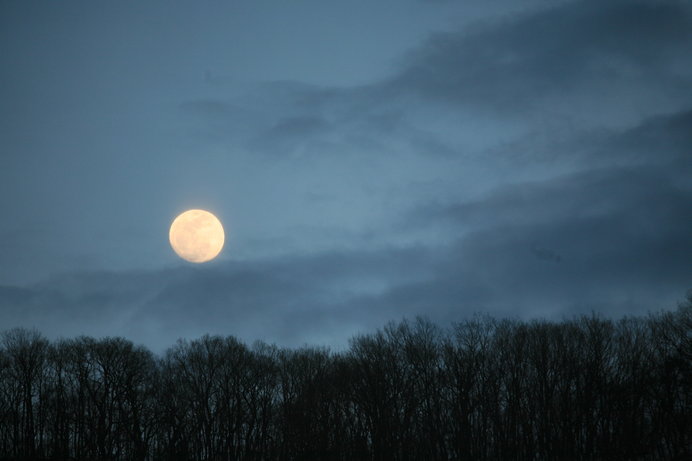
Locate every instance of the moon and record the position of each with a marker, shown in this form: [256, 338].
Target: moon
[196, 236]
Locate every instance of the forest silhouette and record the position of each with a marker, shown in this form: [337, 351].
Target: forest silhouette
[586, 388]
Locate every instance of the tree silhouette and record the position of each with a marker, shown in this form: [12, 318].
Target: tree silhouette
[484, 389]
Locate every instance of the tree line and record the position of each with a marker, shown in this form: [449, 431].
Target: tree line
[484, 389]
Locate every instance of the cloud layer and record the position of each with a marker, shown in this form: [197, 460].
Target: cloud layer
[530, 163]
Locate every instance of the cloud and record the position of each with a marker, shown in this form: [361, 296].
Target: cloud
[525, 79]
[619, 230]
[545, 157]
[611, 235]
[293, 135]
[270, 300]
[620, 235]
[622, 240]
[570, 49]
[660, 139]
[545, 254]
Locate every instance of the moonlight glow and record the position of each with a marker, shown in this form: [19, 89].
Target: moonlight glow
[196, 236]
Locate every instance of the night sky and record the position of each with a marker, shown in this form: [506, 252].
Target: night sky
[370, 161]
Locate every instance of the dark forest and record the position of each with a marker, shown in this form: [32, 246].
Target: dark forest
[483, 389]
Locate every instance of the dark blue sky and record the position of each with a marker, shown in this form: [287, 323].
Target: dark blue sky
[370, 161]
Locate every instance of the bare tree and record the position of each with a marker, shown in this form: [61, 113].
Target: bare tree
[484, 389]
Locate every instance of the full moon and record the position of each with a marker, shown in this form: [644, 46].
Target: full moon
[196, 236]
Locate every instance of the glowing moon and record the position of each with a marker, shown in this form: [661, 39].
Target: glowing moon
[196, 236]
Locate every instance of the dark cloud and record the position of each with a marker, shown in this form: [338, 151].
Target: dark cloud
[546, 254]
[570, 48]
[535, 163]
[620, 236]
[263, 299]
[661, 139]
[620, 231]
[293, 135]
[588, 194]
[554, 71]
